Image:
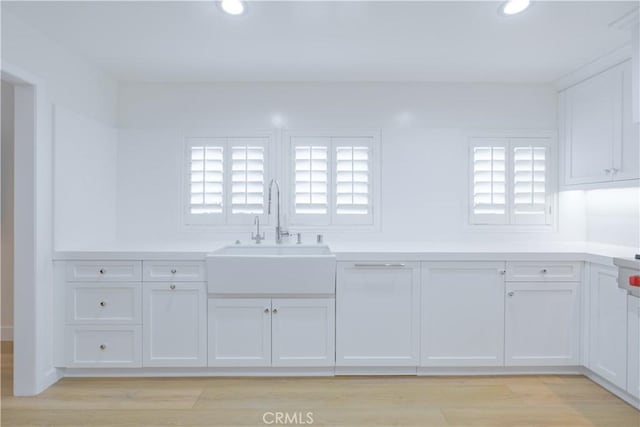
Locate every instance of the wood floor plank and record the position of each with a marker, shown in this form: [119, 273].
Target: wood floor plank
[547, 400]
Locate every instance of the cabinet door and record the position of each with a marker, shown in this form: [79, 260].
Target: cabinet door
[626, 152]
[303, 332]
[608, 326]
[174, 325]
[462, 314]
[239, 332]
[633, 346]
[541, 324]
[592, 124]
[377, 320]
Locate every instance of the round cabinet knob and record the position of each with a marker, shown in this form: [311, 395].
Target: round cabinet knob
[503, 272]
[102, 271]
[103, 347]
[266, 310]
[172, 287]
[275, 310]
[544, 271]
[174, 271]
[103, 304]
[511, 294]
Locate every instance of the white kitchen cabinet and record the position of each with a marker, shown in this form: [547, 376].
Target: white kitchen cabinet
[600, 143]
[261, 332]
[633, 346]
[174, 324]
[462, 314]
[541, 324]
[377, 314]
[97, 346]
[608, 326]
[303, 332]
[239, 332]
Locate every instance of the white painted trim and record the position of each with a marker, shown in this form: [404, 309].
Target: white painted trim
[499, 370]
[622, 394]
[597, 66]
[198, 372]
[7, 333]
[627, 21]
[374, 370]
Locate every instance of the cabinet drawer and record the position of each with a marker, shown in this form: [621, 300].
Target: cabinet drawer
[107, 304]
[167, 271]
[103, 346]
[104, 271]
[543, 271]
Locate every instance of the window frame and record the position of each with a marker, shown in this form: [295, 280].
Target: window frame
[226, 221]
[512, 139]
[331, 220]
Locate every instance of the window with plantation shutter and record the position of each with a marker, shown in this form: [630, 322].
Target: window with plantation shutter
[311, 179]
[530, 204]
[509, 183]
[489, 183]
[226, 179]
[247, 179]
[206, 185]
[332, 180]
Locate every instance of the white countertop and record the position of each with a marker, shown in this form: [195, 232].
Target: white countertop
[405, 251]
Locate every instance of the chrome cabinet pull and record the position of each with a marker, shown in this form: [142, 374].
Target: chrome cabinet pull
[174, 271]
[266, 310]
[275, 311]
[102, 271]
[544, 271]
[380, 265]
[503, 272]
[103, 347]
[103, 304]
[172, 287]
[511, 294]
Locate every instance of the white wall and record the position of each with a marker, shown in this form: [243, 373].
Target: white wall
[65, 80]
[6, 294]
[613, 216]
[86, 98]
[423, 149]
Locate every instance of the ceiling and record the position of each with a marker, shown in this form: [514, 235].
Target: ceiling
[330, 41]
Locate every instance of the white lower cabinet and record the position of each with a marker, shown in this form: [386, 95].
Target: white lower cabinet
[633, 347]
[377, 314]
[462, 314]
[608, 326]
[285, 332]
[174, 324]
[95, 346]
[303, 332]
[541, 324]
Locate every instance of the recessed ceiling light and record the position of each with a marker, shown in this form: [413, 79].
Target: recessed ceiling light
[233, 7]
[513, 7]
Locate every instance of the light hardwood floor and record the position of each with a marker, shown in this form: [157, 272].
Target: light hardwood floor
[342, 401]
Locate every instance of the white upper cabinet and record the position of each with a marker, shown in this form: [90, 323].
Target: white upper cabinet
[377, 320]
[600, 142]
[462, 314]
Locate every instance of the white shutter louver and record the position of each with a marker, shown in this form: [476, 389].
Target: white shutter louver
[207, 179]
[352, 181]
[489, 184]
[247, 180]
[529, 184]
[311, 186]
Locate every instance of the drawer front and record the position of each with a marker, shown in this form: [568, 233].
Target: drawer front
[104, 271]
[104, 304]
[108, 347]
[543, 271]
[169, 271]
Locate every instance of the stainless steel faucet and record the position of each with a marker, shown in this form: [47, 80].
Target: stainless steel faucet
[257, 236]
[279, 231]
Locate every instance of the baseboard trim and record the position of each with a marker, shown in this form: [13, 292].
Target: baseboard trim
[6, 333]
[499, 370]
[198, 372]
[376, 370]
[622, 394]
